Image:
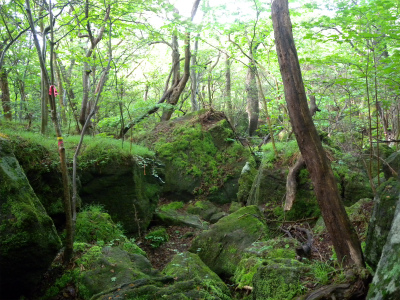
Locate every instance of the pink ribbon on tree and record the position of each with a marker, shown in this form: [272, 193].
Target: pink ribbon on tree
[53, 91]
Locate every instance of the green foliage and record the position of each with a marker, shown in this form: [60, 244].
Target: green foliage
[157, 237]
[285, 150]
[322, 272]
[93, 224]
[171, 206]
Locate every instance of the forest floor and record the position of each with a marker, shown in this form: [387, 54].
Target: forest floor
[181, 237]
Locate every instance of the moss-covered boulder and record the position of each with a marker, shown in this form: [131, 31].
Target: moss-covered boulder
[246, 179]
[391, 167]
[187, 266]
[187, 277]
[103, 269]
[174, 214]
[163, 288]
[221, 248]
[381, 220]
[43, 173]
[278, 279]
[201, 156]
[269, 185]
[206, 210]
[258, 254]
[386, 283]
[28, 238]
[128, 192]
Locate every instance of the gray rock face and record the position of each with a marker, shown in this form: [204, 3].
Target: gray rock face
[28, 238]
[386, 283]
[392, 165]
[128, 195]
[381, 220]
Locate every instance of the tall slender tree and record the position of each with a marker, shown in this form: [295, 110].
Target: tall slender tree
[344, 238]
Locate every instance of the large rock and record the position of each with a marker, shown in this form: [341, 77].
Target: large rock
[110, 267]
[391, 167]
[28, 238]
[187, 278]
[386, 283]
[201, 156]
[381, 220]
[260, 253]
[278, 279]
[127, 191]
[222, 246]
[188, 266]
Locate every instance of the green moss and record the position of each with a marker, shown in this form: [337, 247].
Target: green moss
[245, 271]
[93, 224]
[157, 237]
[222, 247]
[205, 154]
[278, 280]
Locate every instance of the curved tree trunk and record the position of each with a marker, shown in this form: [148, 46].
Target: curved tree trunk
[343, 236]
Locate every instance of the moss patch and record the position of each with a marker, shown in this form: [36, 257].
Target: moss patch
[222, 246]
[201, 156]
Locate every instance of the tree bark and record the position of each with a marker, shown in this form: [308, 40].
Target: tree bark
[343, 236]
[69, 239]
[228, 94]
[5, 95]
[86, 69]
[180, 83]
[252, 104]
[193, 78]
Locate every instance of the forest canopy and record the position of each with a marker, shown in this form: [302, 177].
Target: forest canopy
[348, 52]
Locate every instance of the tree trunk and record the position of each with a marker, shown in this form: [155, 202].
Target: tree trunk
[60, 91]
[86, 68]
[343, 236]
[193, 78]
[71, 96]
[69, 239]
[252, 105]
[5, 95]
[178, 84]
[228, 95]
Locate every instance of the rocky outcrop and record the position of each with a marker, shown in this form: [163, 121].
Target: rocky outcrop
[187, 277]
[278, 279]
[381, 220]
[221, 248]
[201, 156]
[385, 284]
[128, 192]
[28, 238]
[391, 167]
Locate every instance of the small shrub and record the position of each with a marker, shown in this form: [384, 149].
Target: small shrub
[157, 237]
